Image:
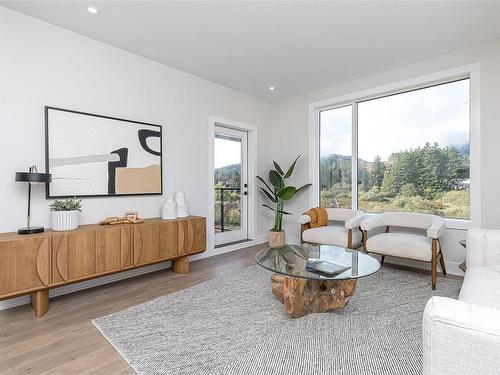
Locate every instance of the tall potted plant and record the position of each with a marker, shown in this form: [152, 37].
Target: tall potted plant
[277, 192]
[65, 214]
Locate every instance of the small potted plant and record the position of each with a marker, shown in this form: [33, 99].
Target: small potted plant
[278, 193]
[65, 214]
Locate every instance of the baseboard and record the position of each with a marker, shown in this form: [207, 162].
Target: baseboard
[227, 249]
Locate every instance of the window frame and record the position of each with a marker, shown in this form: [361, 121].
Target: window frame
[471, 72]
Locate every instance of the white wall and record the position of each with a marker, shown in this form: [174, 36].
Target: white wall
[41, 64]
[289, 119]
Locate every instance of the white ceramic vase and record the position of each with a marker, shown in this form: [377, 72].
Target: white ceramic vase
[182, 208]
[64, 220]
[169, 210]
[180, 198]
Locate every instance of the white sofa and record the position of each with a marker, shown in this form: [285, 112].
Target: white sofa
[463, 336]
[423, 246]
[342, 229]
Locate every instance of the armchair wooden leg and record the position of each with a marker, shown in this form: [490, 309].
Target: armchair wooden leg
[382, 260]
[349, 239]
[365, 238]
[434, 263]
[441, 261]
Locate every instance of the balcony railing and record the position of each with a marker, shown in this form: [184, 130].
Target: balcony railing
[222, 225]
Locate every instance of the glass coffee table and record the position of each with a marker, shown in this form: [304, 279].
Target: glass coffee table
[303, 291]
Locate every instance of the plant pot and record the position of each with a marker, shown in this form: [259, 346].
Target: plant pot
[276, 238]
[64, 220]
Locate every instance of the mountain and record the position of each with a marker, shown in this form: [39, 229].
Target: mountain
[229, 175]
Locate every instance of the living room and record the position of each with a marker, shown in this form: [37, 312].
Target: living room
[249, 187]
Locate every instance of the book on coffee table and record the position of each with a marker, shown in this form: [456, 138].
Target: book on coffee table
[325, 267]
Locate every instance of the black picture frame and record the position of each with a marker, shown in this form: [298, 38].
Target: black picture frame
[48, 194]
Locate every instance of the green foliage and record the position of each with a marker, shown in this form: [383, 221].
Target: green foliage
[430, 169]
[279, 193]
[276, 179]
[408, 190]
[234, 216]
[69, 204]
[378, 171]
[425, 179]
[231, 206]
[335, 177]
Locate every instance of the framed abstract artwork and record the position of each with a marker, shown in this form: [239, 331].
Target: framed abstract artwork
[90, 155]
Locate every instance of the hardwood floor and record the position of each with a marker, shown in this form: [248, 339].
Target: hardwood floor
[65, 341]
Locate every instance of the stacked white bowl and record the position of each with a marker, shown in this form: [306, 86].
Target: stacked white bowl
[169, 208]
[182, 208]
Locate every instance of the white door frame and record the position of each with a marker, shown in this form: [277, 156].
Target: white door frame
[241, 233]
[252, 172]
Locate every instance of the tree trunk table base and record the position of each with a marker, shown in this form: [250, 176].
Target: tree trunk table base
[305, 296]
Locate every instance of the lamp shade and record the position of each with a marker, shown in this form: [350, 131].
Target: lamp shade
[33, 177]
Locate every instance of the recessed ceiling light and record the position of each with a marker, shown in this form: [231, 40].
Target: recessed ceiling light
[272, 88]
[92, 10]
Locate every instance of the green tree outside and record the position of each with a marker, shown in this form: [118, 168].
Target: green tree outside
[430, 179]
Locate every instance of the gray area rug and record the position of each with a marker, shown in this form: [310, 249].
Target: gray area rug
[234, 325]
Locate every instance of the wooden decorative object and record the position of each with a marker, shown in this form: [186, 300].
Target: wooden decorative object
[36, 263]
[306, 296]
[127, 218]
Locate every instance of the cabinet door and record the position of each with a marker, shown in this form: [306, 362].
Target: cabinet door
[185, 236]
[113, 247]
[200, 235]
[24, 264]
[146, 243]
[191, 235]
[73, 256]
[168, 239]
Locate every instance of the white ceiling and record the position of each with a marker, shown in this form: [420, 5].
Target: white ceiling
[296, 46]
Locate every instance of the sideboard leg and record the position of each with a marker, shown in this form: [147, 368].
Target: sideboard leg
[40, 302]
[181, 265]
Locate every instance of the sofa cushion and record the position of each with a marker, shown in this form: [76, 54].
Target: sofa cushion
[330, 235]
[406, 245]
[481, 286]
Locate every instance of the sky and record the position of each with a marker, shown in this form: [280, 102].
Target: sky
[395, 123]
[226, 152]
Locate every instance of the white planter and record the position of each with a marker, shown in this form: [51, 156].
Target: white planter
[64, 220]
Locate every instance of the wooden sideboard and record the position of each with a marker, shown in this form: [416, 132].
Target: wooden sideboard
[33, 264]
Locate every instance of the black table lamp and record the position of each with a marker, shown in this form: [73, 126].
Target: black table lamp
[31, 177]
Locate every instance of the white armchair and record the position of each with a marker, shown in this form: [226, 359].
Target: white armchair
[342, 229]
[463, 336]
[423, 247]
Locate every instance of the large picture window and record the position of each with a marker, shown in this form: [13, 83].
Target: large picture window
[411, 152]
[335, 177]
